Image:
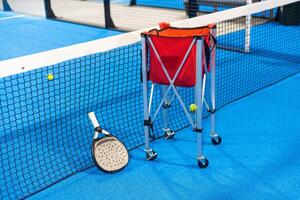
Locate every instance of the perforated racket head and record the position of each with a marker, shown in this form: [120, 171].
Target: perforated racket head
[109, 154]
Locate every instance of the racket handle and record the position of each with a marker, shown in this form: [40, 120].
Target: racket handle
[93, 119]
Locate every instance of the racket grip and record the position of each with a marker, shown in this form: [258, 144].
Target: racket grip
[93, 119]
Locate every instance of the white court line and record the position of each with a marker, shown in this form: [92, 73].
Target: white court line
[12, 17]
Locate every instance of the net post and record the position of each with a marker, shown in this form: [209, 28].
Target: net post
[165, 107]
[108, 19]
[191, 8]
[132, 3]
[198, 96]
[145, 91]
[248, 30]
[48, 9]
[6, 6]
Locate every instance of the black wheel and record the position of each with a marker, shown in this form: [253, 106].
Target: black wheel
[166, 105]
[203, 163]
[216, 140]
[151, 155]
[169, 134]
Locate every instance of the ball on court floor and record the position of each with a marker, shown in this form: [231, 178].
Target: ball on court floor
[50, 77]
[193, 107]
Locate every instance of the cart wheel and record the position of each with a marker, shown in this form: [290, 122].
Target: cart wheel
[216, 140]
[151, 155]
[166, 105]
[169, 134]
[203, 163]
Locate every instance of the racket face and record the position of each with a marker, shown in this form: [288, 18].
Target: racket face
[109, 154]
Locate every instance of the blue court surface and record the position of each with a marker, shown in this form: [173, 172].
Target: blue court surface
[259, 158]
[178, 4]
[34, 35]
[258, 101]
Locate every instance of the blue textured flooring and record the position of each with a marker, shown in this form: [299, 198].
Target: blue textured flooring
[28, 35]
[258, 159]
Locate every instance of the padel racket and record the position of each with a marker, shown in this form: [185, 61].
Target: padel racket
[109, 153]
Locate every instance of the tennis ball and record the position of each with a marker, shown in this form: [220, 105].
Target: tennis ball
[50, 77]
[193, 107]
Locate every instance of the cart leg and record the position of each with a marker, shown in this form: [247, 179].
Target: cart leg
[214, 136]
[168, 133]
[150, 153]
[202, 161]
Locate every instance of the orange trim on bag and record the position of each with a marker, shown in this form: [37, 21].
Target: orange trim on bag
[167, 31]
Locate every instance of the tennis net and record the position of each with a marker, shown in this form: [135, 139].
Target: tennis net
[128, 15]
[45, 134]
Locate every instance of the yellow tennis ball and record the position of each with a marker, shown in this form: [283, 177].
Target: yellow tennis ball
[50, 77]
[193, 107]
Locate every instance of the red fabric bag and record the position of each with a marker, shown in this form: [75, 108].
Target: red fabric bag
[172, 44]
